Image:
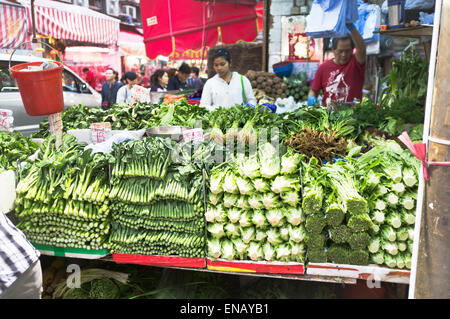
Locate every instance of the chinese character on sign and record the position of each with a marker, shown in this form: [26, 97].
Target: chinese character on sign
[100, 132]
[6, 120]
[152, 21]
[56, 127]
[195, 135]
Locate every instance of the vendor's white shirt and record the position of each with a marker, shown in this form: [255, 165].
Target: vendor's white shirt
[123, 95]
[217, 92]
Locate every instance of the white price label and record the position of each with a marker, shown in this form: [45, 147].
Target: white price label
[195, 135]
[6, 120]
[56, 127]
[100, 132]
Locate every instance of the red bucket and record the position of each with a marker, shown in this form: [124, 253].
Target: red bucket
[41, 91]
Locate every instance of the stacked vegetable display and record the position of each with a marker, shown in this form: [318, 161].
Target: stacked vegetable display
[253, 208]
[153, 212]
[62, 198]
[337, 222]
[361, 211]
[390, 179]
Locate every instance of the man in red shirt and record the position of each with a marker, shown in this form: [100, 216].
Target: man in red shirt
[89, 77]
[342, 78]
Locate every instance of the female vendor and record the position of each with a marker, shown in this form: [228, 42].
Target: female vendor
[226, 88]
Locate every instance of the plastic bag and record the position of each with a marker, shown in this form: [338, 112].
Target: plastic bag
[106, 146]
[369, 20]
[331, 23]
[419, 4]
[426, 18]
[327, 5]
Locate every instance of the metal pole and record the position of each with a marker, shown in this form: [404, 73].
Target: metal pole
[33, 20]
[207, 32]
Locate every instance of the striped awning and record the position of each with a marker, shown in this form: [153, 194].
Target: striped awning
[70, 22]
[13, 26]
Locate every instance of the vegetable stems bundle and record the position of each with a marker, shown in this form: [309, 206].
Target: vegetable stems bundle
[154, 213]
[62, 199]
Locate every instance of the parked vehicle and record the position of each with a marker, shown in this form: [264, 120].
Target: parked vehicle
[75, 90]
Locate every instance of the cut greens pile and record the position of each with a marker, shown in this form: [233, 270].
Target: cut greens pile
[14, 149]
[154, 213]
[62, 198]
[126, 117]
[253, 208]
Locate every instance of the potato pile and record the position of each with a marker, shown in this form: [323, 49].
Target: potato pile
[266, 86]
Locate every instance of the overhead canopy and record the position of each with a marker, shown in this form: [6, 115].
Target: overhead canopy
[69, 22]
[13, 26]
[179, 25]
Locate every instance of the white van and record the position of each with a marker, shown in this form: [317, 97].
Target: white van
[75, 90]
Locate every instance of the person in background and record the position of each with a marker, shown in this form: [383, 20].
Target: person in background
[171, 72]
[159, 81]
[20, 268]
[144, 80]
[179, 81]
[110, 89]
[124, 94]
[89, 77]
[341, 78]
[116, 76]
[226, 88]
[194, 82]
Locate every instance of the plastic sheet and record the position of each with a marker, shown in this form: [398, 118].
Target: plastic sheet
[328, 19]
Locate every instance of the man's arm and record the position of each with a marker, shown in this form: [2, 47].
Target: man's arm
[360, 45]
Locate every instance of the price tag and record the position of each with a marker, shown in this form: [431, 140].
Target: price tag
[195, 135]
[56, 127]
[6, 120]
[100, 132]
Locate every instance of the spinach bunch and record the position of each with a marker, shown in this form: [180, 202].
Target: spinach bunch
[408, 77]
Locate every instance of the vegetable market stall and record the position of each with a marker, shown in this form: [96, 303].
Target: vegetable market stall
[270, 212]
[310, 193]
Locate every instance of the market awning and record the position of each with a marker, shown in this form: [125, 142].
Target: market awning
[13, 26]
[179, 25]
[70, 22]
